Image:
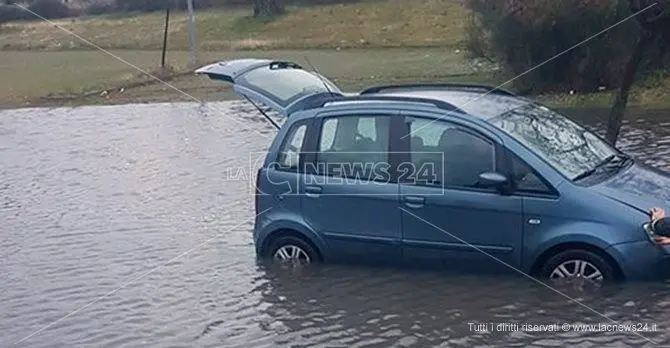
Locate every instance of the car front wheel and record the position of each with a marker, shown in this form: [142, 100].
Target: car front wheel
[578, 264]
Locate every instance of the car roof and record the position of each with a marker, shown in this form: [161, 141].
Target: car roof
[478, 104]
[287, 89]
[479, 101]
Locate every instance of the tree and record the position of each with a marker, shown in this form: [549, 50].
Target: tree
[521, 35]
[267, 9]
[655, 22]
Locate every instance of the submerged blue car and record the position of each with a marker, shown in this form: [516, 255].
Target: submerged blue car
[451, 176]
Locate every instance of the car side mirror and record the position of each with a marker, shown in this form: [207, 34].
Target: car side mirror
[493, 180]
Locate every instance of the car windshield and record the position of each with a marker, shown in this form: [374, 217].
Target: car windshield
[568, 147]
[286, 85]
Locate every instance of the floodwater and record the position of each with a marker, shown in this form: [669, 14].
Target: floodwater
[130, 226]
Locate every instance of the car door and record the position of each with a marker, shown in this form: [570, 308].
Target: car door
[349, 195]
[451, 220]
[280, 85]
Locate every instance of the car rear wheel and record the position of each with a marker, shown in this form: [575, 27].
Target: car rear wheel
[292, 250]
[578, 264]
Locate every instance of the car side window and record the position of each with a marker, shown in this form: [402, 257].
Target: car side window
[525, 180]
[366, 127]
[328, 130]
[289, 153]
[454, 155]
[354, 146]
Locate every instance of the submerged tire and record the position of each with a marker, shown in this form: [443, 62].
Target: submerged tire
[292, 249]
[578, 263]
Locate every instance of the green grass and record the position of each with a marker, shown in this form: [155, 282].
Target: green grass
[650, 98]
[392, 23]
[30, 75]
[356, 45]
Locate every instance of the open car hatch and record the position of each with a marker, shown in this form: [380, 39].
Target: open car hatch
[277, 84]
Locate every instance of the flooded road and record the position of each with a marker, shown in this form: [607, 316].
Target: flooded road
[130, 226]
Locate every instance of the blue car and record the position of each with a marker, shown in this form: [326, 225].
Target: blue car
[452, 176]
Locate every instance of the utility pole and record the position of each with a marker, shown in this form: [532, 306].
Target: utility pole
[165, 35]
[191, 31]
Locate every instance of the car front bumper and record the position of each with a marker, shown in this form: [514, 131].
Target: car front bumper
[642, 260]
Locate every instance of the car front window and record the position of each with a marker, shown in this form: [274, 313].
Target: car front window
[568, 147]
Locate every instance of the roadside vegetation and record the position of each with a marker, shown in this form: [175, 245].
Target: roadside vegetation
[357, 43]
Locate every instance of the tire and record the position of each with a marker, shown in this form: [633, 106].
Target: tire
[306, 254]
[576, 257]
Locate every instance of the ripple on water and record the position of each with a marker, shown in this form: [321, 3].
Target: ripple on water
[136, 220]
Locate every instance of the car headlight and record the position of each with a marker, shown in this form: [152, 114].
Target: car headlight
[649, 231]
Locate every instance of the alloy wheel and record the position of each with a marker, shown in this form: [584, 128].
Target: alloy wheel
[577, 269]
[292, 253]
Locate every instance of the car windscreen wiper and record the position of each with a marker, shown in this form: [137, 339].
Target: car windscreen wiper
[621, 160]
[617, 160]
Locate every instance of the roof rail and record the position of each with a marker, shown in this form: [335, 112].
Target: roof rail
[434, 86]
[321, 99]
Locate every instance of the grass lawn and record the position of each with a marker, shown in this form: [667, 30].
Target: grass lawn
[356, 45]
[33, 74]
[29, 76]
[392, 23]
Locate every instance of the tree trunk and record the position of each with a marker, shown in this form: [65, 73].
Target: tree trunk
[268, 8]
[621, 99]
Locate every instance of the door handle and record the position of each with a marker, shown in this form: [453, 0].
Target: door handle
[313, 191]
[414, 201]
